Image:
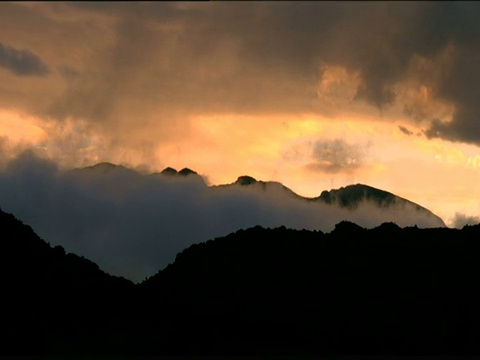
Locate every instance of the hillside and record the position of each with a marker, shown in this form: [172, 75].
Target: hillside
[384, 291]
[53, 302]
[260, 291]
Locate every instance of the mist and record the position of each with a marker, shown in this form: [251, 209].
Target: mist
[132, 224]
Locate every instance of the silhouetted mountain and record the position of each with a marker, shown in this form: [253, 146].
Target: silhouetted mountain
[186, 172]
[353, 291]
[353, 197]
[183, 172]
[350, 196]
[169, 171]
[104, 170]
[384, 291]
[99, 211]
[53, 302]
[245, 180]
[104, 167]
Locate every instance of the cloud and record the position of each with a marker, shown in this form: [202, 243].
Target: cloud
[460, 220]
[404, 130]
[333, 156]
[134, 225]
[22, 62]
[465, 126]
[138, 72]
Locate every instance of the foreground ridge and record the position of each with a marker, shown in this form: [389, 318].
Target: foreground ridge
[353, 291]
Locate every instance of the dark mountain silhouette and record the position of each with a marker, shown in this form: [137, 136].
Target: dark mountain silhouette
[186, 172]
[99, 211]
[169, 171]
[172, 171]
[246, 180]
[104, 167]
[53, 302]
[353, 291]
[384, 291]
[350, 197]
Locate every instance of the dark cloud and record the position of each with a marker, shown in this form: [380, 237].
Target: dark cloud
[133, 224]
[266, 57]
[404, 130]
[149, 65]
[22, 62]
[333, 156]
[463, 89]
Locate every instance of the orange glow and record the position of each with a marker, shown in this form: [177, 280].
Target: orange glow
[279, 148]
[20, 128]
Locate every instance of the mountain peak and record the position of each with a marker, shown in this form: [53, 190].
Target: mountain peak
[245, 180]
[103, 166]
[347, 227]
[186, 172]
[169, 171]
[172, 172]
[350, 196]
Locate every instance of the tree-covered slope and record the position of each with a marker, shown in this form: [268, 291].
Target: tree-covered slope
[353, 291]
[52, 302]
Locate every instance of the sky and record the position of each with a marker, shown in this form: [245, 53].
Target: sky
[315, 95]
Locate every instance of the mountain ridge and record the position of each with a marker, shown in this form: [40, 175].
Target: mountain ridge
[349, 196]
[101, 210]
[257, 291]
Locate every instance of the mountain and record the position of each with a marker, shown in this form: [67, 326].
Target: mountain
[52, 302]
[132, 224]
[353, 291]
[351, 196]
[354, 198]
[183, 172]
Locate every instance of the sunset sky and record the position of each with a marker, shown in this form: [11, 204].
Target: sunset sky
[315, 95]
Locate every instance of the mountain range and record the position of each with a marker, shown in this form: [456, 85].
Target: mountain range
[350, 197]
[353, 291]
[133, 224]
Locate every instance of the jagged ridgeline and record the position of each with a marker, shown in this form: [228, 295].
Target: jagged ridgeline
[383, 291]
[132, 223]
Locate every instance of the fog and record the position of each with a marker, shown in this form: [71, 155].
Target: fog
[133, 225]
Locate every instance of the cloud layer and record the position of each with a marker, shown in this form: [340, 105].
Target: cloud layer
[228, 88]
[134, 225]
[127, 68]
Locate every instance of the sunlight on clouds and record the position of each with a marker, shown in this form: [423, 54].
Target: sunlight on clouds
[337, 86]
[221, 145]
[473, 162]
[20, 127]
[18, 132]
[416, 95]
[280, 148]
